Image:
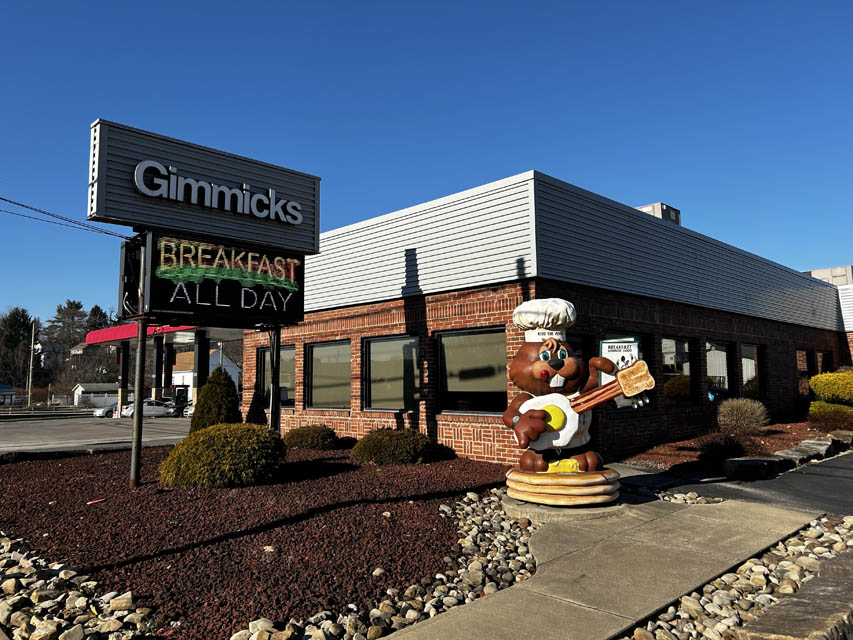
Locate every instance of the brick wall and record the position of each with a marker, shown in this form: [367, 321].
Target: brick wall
[616, 433]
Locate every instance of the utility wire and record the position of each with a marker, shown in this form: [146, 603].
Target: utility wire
[81, 225]
[61, 224]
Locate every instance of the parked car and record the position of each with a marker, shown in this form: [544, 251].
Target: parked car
[188, 410]
[150, 408]
[105, 412]
[175, 409]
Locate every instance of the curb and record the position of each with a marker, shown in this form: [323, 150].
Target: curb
[816, 448]
[823, 608]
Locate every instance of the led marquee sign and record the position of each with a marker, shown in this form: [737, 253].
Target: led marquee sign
[197, 282]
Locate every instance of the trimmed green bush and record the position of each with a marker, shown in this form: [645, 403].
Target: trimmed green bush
[315, 436]
[217, 402]
[751, 389]
[386, 446]
[836, 388]
[829, 417]
[225, 455]
[676, 389]
[738, 417]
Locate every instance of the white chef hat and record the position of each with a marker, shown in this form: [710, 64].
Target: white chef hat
[545, 318]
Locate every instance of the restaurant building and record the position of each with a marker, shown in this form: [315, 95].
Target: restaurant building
[408, 318]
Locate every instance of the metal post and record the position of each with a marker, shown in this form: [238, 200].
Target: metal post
[139, 382]
[275, 393]
[30, 376]
[138, 398]
[201, 363]
[157, 373]
[124, 376]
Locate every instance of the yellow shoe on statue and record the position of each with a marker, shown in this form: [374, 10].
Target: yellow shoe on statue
[568, 465]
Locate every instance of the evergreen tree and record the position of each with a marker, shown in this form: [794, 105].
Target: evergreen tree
[16, 328]
[68, 326]
[97, 319]
[217, 402]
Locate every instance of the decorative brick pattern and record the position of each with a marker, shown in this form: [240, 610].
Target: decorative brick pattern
[483, 437]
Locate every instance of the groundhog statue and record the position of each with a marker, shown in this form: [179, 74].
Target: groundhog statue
[550, 376]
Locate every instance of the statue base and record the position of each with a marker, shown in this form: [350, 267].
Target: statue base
[563, 489]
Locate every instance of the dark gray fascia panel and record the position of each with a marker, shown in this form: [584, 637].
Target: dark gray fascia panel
[134, 180]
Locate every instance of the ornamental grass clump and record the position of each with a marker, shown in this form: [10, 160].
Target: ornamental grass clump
[834, 388]
[315, 436]
[225, 455]
[738, 417]
[386, 446]
[217, 402]
[676, 389]
[827, 417]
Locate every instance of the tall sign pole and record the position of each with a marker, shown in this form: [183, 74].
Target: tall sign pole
[275, 390]
[139, 383]
[30, 377]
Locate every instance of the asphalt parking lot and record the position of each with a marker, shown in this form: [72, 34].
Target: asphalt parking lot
[86, 432]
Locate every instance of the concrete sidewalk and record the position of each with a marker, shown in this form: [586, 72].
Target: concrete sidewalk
[595, 579]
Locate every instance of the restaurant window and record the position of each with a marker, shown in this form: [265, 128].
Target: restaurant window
[623, 350]
[328, 375]
[392, 373]
[717, 370]
[675, 359]
[286, 374]
[472, 366]
[803, 371]
[825, 364]
[749, 368]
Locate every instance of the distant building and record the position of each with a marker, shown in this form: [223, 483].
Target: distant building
[833, 275]
[7, 394]
[182, 371]
[662, 212]
[95, 394]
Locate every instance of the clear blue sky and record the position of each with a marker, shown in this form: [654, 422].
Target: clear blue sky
[738, 113]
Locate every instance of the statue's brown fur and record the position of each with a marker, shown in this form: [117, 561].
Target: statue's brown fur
[531, 373]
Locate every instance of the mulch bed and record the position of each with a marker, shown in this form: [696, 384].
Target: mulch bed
[199, 555]
[703, 454]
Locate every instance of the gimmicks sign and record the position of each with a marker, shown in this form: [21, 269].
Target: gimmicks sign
[218, 285]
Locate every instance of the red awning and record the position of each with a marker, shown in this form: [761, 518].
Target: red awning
[128, 332]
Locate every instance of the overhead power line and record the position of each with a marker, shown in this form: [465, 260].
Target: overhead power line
[71, 221]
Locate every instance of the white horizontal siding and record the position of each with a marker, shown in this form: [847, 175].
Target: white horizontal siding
[469, 239]
[587, 239]
[845, 295]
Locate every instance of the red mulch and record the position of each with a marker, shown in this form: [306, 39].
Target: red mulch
[687, 455]
[198, 555]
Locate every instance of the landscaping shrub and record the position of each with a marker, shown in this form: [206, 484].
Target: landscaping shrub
[225, 455]
[386, 446]
[217, 402]
[738, 417]
[316, 436]
[828, 417]
[836, 388]
[676, 389]
[751, 388]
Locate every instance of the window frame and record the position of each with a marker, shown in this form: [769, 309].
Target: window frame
[692, 400]
[261, 374]
[309, 374]
[644, 342]
[366, 369]
[441, 392]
